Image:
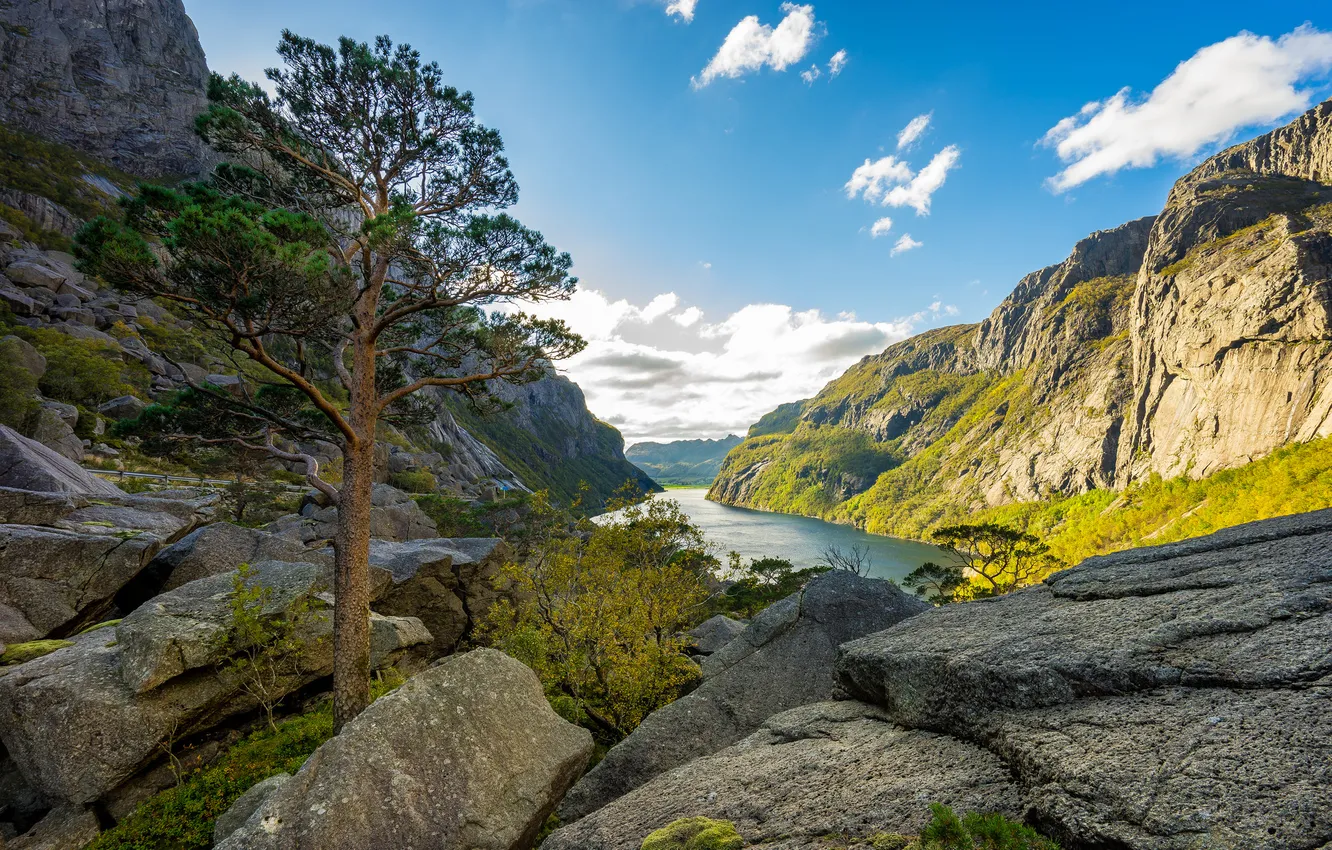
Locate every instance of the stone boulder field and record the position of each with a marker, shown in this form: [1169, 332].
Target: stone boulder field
[1167, 698]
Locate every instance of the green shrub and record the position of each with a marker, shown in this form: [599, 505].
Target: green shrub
[17, 653]
[695, 834]
[414, 482]
[84, 371]
[18, 388]
[453, 517]
[974, 831]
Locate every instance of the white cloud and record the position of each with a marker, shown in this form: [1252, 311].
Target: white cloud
[751, 45]
[683, 8]
[875, 178]
[837, 63]
[707, 265]
[916, 194]
[686, 378]
[688, 317]
[914, 129]
[881, 227]
[811, 75]
[891, 182]
[658, 307]
[906, 243]
[1243, 81]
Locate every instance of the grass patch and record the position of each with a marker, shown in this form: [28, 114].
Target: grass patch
[18, 653]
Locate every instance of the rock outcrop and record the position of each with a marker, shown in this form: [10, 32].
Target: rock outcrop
[714, 633]
[808, 777]
[1182, 344]
[782, 660]
[1157, 698]
[28, 465]
[119, 79]
[83, 719]
[466, 754]
[393, 516]
[1168, 698]
[449, 584]
[65, 557]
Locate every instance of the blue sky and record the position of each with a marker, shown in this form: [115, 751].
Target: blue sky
[709, 222]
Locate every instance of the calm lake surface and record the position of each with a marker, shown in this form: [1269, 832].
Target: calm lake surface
[800, 540]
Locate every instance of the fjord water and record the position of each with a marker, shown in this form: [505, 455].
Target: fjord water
[800, 540]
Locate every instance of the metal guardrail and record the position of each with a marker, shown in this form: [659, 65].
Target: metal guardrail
[195, 481]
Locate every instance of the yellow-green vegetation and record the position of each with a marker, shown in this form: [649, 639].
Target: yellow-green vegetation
[1094, 303]
[1290, 480]
[695, 834]
[83, 371]
[414, 482]
[911, 498]
[105, 624]
[599, 610]
[263, 651]
[17, 653]
[182, 817]
[945, 831]
[982, 560]
[18, 388]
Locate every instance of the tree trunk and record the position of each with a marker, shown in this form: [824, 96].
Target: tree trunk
[351, 586]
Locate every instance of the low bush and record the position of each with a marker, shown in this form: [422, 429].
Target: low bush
[414, 482]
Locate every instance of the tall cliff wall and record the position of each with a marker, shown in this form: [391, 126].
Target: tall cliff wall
[119, 79]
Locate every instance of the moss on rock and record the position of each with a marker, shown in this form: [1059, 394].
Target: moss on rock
[695, 834]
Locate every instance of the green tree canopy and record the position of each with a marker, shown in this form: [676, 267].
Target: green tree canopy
[354, 252]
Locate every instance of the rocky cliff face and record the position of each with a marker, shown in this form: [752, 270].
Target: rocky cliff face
[1184, 343]
[119, 79]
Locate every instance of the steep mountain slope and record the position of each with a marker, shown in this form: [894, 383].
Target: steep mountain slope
[682, 461]
[550, 441]
[119, 79]
[1187, 343]
[95, 91]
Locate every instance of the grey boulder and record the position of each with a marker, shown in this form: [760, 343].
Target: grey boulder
[122, 407]
[26, 355]
[28, 465]
[448, 583]
[53, 581]
[393, 516]
[221, 547]
[1160, 698]
[236, 816]
[784, 659]
[82, 720]
[714, 633]
[52, 431]
[828, 770]
[466, 755]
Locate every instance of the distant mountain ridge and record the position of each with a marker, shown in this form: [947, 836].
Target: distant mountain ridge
[1181, 344]
[682, 461]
